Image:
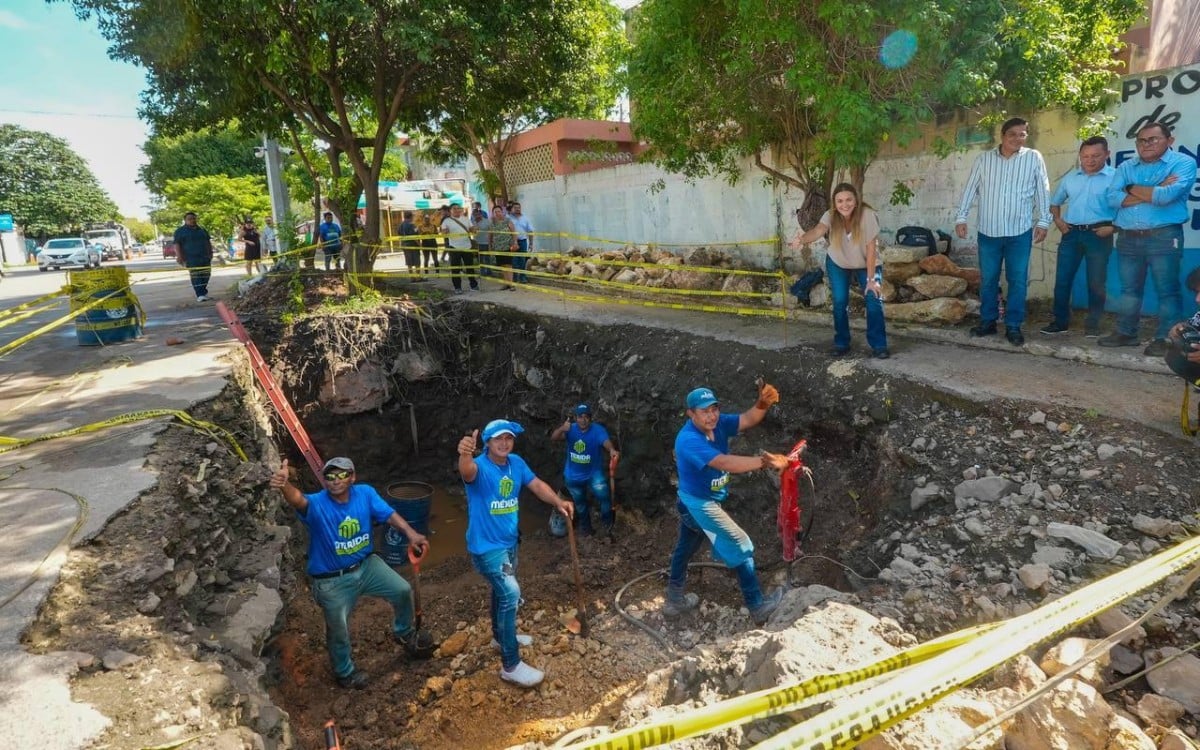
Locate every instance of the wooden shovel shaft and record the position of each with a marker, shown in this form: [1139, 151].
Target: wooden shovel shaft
[581, 603]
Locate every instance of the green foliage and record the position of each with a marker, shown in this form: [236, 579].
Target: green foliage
[208, 151]
[716, 82]
[902, 194]
[365, 299]
[220, 202]
[528, 64]
[46, 186]
[142, 231]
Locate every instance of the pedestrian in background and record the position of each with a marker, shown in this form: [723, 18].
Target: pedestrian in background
[458, 235]
[1087, 235]
[339, 519]
[411, 247]
[429, 240]
[853, 229]
[252, 248]
[502, 239]
[493, 481]
[270, 241]
[1150, 193]
[524, 229]
[703, 464]
[1011, 186]
[584, 468]
[479, 230]
[194, 250]
[329, 235]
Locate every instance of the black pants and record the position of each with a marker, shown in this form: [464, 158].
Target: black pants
[430, 253]
[412, 259]
[462, 259]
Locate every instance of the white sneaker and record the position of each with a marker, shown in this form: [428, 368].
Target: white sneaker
[522, 640]
[523, 675]
[202, 298]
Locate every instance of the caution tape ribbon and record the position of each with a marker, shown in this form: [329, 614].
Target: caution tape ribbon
[215, 430]
[940, 666]
[30, 303]
[10, 346]
[769, 312]
[849, 723]
[29, 314]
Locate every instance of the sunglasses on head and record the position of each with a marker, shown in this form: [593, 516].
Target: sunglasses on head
[334, 476]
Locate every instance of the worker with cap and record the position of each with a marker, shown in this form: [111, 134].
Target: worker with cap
[703, 463]
[341, 565]
[584, 468]
[493, 482]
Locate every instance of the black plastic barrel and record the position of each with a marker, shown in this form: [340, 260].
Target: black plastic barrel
[117, 318]
[412, 500]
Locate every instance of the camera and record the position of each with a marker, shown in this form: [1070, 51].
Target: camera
[1181, 345]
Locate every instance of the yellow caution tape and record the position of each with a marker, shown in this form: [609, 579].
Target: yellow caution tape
[17, 318]
[215, 430]
[770, 312]
[30, 303]
[931, 670]
[851, 722]
[10, 346]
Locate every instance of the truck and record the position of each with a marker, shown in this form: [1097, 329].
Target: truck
[113, 236]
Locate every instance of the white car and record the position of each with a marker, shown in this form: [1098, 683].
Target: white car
[69, 251]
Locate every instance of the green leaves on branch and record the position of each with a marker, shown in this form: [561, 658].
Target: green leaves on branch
[220, 202]
[208, 151]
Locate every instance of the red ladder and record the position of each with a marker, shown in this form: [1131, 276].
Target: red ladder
[282, 406]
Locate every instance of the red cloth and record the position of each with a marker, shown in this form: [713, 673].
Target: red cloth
[788, 520]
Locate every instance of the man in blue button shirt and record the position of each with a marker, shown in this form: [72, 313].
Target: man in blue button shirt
[704, 463]
[329, 234]
[1150, 193]
[1087, 230]
[339, 520]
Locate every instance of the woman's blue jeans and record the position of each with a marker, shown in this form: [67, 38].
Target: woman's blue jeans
[1077, 247]
[1160, 251]
[337, 597]
[499, 567]
[839, 290]
[598, 484]
[1013, 254]
[731, 545]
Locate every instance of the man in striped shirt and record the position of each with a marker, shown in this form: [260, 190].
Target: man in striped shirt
[1011, 184]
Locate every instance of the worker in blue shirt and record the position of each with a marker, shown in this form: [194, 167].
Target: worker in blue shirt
[584, 468]
[1087, 234]
[1150, 193]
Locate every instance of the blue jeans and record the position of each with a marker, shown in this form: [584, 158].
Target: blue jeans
[200, 272]
[839, 290]
[334, 255]
[598, 483]
[499, 567]
[1160, 251]
[731, 546]
[1013, 253]
[519, 261]
[1077, 247]
[337, 597]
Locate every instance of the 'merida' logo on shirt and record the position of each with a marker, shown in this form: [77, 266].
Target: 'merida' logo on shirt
[720, 482]
[348, 527]
[506, 486]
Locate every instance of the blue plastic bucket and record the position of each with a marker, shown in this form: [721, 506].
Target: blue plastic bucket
[118, 318]
[412, 500]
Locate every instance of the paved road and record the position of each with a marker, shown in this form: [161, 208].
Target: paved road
[58, 492]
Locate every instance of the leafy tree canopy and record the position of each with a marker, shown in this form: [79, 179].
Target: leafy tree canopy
[220, 202]
[142, 230]
[565, 61]
[46, 186]
[208, 151]
[823, 83]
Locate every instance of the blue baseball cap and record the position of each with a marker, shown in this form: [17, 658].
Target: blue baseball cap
[501, 427]
[701, 398]
[583, 409]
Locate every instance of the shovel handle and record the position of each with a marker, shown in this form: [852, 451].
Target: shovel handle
[415, 558]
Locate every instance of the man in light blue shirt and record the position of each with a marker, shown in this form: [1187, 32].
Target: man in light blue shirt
[524, 241]
[1010, 183]
[1150, 193]
[1087, 231]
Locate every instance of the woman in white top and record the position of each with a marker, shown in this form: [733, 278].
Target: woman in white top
[853, 229]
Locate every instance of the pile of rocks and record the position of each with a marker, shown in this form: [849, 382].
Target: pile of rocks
[654, 268]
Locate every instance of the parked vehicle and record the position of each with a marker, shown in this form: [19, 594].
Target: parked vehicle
[69, 251]
[114, 237]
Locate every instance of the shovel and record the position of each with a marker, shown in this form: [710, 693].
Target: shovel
[415, 559]
[581, 603]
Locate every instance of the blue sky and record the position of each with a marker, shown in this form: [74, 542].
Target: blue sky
[57, 77]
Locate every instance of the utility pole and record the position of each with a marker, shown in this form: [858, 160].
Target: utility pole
[275, 187]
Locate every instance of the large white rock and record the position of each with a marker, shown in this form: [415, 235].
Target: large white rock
[353, 391]
[903, 254]
[934, 285]
[985, 490]
[1073, 716]
[941, 310]
[1093, 542]
[1034, 576]
[1070, 650]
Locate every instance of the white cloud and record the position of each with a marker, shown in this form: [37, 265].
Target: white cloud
[10, 20]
